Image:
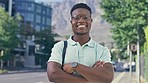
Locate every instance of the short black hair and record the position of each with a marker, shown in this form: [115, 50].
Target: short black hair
[80, 5]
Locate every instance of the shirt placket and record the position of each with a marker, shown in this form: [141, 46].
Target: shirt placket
[80, 53]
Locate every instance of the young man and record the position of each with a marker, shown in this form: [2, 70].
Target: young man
[86, 61]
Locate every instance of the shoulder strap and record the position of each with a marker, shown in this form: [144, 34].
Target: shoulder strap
[63, 53]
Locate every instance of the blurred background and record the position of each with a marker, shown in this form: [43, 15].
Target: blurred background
[30, 28]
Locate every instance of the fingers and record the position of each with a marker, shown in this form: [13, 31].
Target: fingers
[67, 68]
[99, 64]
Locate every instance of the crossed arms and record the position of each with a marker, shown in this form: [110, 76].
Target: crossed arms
[99, 73]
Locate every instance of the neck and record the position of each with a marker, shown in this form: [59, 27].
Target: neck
[82, 39]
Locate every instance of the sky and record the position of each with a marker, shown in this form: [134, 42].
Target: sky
[50, 0]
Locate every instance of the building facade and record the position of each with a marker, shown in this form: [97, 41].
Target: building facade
[37, 14]
[8, 6]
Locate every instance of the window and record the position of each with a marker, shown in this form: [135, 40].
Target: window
[48, 21]
[30, 6]
[38, 18]
[31, 50]
[44, 12]
[29, 17]
[48, 11]
[38, 28]
[43, 20]
[38, 9]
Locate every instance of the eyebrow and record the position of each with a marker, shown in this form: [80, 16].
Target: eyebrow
[80, 15]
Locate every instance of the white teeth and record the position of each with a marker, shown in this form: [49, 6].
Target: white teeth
[81, 26]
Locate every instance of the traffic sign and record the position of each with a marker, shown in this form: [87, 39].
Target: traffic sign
[134, 47]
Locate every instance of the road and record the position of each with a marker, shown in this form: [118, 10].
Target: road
[31, 77]
[41, 77]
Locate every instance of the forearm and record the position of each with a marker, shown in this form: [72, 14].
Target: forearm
[96, 75]
[57, 75]
[67, 78]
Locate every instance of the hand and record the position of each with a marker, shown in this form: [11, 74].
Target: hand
[99, 64]
[67, 68]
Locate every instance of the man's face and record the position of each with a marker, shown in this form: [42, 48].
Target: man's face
[81, 21]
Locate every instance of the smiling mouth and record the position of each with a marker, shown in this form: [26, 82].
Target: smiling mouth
[81, 26]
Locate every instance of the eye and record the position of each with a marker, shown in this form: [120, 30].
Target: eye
[85, 18]
[77, 18]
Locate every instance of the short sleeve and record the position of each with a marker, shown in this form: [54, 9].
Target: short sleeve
[56, 53]
[106, 56]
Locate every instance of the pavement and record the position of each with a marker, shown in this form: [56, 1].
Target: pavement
[12, 70]
[126, 77]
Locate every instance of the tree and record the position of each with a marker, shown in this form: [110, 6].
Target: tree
[8, 38]
[127, 18]
[46, 40]
[146, 53]
[146, 37]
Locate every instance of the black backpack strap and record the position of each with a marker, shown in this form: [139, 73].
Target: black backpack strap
[63, 54]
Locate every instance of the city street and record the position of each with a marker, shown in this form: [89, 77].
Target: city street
[41, 77]
[124, 77]
[31, 77]
[32, 32]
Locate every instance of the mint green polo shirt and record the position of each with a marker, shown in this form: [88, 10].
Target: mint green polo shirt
[87, 54]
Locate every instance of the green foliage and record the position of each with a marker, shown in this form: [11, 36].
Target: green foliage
[146, 53]
[146, 37]
[127, 18]
[8, 27]
[46, 40]
[3, 71]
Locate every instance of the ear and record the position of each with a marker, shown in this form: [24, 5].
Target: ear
[71, 21]
[91, 20]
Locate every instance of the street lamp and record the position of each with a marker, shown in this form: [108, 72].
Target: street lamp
[138, 56]
[10, 7]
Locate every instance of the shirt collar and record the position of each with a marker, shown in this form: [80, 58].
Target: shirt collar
[71, 42]
[90, 43]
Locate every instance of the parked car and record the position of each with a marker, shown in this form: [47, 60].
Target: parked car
[118, 66]
[114, 65]
[127, 66]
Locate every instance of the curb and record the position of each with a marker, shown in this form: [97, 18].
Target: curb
[23, 71]
[143, 80]
[116, 80]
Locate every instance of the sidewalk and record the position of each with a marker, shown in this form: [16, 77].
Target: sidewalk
[12, 70]
[126, 78]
